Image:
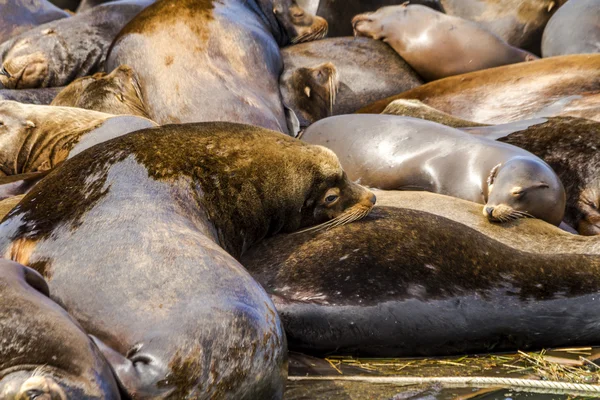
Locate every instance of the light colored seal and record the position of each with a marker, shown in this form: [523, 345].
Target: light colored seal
[390, 152]
[573, 29]
[437, 45]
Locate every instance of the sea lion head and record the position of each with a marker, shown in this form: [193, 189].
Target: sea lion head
[314, 90]
[297, 24]
[524, 187]
[34, 60]
[117, 93]
[15, 127]
[589, 207]
[372, 24]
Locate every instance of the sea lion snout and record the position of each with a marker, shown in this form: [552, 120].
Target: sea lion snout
[361, 20]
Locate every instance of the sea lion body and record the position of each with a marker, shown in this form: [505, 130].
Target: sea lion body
[508, 93]
[115, 93]
[18, 16]
[437, 45]
[44, 354]
[425, 276]
[198, 60]
[518, 22]
[38, 138]
[56, 53]
[42, 96]
[185, 319]
[351, 72]
[573, 29]
[390, 152]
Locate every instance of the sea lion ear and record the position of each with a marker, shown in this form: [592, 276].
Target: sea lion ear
[307, 91]
[493, 173]
[29, 124]
[405, 4]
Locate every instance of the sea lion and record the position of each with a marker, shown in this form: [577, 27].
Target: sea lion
[56, 53]
[115, 93]
[18, 16]
[339, 13]
[44, 354]
[573, 29]
[173, 310]
[391, 152]
[518, 22]
[37, 138]
[437, 45]
[198, 60]
[569, 146]
[509, 93]
[43, 96]
[340, 75]
[417, 109]
[408, 280]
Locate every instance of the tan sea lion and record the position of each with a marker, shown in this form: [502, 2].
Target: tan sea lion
[573, 29]
[391, 152]
[115, 93]
[437, 45]
[18, 16]
[199, 60]
[37, 138]
[509, 93]
[174, 312]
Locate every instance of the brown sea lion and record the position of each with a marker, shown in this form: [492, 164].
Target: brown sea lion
[417, 109]
[56, 53]
[18, 16]
[199, 60]
[44, 354]
[519, 22]
[509, 93]
[174, 312]
[573, 29]
[391, 152]
[42, 96]
[115, 93]
[437, 45]
[570, 147]
[423, 275]
[340, 75]
[339, 13]
[37, 138]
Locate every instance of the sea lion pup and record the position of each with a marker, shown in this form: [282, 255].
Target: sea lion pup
[37, 138]
[437, 45]
[44, 354]
[417, 109]
[340, 75]
[413, 282]
[569, 146]
[56, 53]
[18, 16]
[573, 29]
[391, 152]
[509, 93]
[115, 93]
[518, 22]
[161, 214]
[233, 42]
[43, 96]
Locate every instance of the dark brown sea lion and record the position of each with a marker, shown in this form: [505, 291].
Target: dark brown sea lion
[392, 153]
[42, 96]
[199, 60]
[437, 45]
[417, 109]
[570, 147]
[160, 230]
[18, 16]
[115, 93]
[56, 53]
[508, 93]
[44, 354]
[37, 138]
[519, 22]
[425, 276]
[339, 13]
[573, 29]
[340, 75]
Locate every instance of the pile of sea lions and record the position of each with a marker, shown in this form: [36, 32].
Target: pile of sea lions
[189, 188]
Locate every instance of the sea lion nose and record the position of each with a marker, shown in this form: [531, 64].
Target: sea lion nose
[489, 211]
[373, 198]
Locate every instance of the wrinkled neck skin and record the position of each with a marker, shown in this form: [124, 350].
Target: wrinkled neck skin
[264, 9]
